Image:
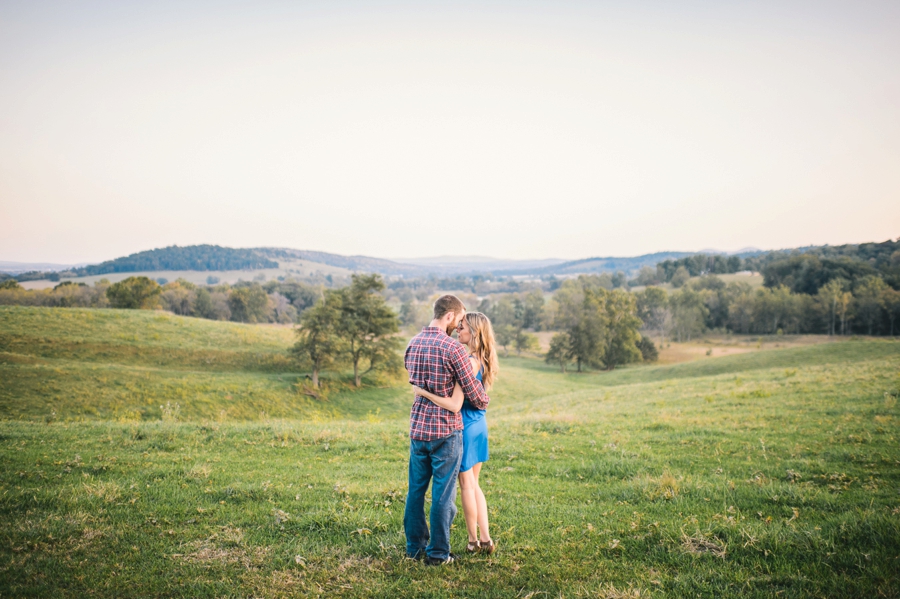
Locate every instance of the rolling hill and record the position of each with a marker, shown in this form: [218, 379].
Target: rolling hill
[153, 455]
[232, 264]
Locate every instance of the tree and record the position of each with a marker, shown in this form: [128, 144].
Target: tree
[870, 300]
[367, 326]
[807, 273]
[511, 315]
[580, 313]
[70, 294]
[505, 334]
[649, 353]
[525, 341]
[10, 284]
[741, 310]
[653, 309]
[318, 342]
[680, 277]
[502, 311]
[647, 276]
[890, 298]
[772, 307]
[560, 351]
[831, 294]
[179, 298]
[134, 293]
[503, 319]
[843, 305]
[301, 295]
[688, 313]
[408, 312]
[282, 308]
[203, 304]
[248, 304]
[532, 310]
[623, 324]
[414, 313]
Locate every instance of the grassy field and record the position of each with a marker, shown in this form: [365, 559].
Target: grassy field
[286, 268]
[772, 473]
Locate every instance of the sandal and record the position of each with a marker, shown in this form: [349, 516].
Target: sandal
[487, 546]
[473, 547]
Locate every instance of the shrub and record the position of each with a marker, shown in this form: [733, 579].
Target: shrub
[134, 293]
[649, 353]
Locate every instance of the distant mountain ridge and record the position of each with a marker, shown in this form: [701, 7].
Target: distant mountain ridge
[357, 263]
[469, 264]
[15, 268]
[192, 257]
[218, 258]
[604, 264]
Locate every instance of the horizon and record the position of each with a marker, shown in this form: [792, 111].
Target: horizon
[424, 260]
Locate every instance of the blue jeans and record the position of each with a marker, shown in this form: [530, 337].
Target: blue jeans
[438, 459]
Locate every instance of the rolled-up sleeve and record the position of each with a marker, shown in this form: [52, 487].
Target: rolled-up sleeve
[462, 369]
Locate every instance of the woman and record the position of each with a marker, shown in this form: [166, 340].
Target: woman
[476, 333]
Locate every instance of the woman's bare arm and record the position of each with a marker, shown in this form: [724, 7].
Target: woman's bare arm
[453, 403]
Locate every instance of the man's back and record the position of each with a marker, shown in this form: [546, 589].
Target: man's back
[435, 362]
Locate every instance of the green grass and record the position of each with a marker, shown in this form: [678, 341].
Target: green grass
[77, 364]
[775, 473]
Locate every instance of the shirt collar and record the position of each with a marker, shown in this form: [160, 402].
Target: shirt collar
[435, 329]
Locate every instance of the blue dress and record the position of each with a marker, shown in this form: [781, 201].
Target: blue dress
[475, 437]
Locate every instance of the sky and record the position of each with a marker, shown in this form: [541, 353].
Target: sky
[517, 130]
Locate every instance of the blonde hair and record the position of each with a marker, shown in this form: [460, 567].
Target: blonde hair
[483, 346]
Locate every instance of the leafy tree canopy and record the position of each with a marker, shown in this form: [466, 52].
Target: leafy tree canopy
[134, 293]
[193, 257]
[807, 273]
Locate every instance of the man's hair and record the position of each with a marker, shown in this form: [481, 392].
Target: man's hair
[447, 303]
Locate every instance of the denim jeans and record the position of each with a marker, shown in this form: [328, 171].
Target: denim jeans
[438, 459]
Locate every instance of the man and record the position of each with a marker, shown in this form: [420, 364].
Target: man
[436, 362]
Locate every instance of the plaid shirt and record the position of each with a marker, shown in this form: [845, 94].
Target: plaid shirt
[435, 362]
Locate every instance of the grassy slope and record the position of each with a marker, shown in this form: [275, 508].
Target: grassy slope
[286, 268]
[113, 364]
[598, 484]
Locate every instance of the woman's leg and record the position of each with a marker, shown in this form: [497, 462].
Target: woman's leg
[467, 486]
[481, 504]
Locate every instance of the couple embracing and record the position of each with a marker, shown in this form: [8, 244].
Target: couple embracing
[448, 429]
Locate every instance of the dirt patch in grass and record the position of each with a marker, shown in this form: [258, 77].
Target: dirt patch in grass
[715, 346]
[700, 545]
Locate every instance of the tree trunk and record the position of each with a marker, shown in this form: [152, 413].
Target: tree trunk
[579, 364]
[833, 315]
[315, 375]
[356, 370]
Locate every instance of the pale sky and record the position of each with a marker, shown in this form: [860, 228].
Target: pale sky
[507, 129]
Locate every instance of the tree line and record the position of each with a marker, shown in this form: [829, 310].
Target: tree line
[598, 322]
[803, 270]
[175, 258]
[868, 306]
[250, 302]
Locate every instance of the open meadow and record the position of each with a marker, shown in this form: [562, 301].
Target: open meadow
[145, 454]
